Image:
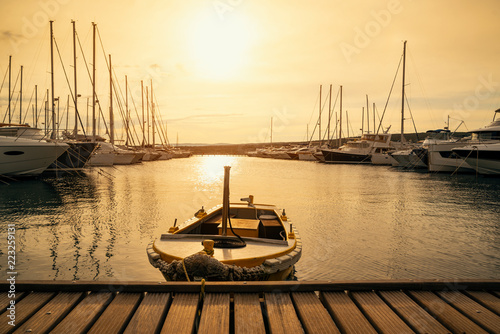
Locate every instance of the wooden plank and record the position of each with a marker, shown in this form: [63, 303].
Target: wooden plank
[445, 313]
[5, 300]
[50, 314]
[84, 314]
[249, 287]
[487, 299]
[475, 311]
[313, 315]
[380, 314]
[414, 315]
[281, 314]
[215, 313]
[117, 314]
[346, 314]
[182, 314]
[24, 309]
[248, 317]
[149, 315]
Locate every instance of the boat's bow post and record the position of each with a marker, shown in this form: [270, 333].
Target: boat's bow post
[225, 200]
[291, 234]
[174, 228]
[283, 216]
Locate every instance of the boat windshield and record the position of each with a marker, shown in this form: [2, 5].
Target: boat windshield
[486, 135]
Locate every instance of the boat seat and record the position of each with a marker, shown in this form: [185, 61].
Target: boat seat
[271, 227]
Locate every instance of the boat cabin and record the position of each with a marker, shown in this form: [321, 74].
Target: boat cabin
[256, 221]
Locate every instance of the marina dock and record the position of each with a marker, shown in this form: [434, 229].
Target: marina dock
[396, 306]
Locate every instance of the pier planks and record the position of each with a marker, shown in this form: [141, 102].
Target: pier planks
[255, 307]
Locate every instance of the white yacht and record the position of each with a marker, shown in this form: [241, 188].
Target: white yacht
[483, 150]
[359, 151]
[27, 157]
[440, 157]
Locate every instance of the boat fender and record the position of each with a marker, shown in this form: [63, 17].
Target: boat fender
[200, 213]
[208, 247]
[283, 216]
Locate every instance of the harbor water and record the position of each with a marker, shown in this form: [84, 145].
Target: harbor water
[356, 222]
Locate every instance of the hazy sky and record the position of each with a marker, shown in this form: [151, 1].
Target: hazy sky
[221, 69]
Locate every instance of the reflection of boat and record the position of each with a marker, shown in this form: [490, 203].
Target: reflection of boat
[257, 244]
[27, 157]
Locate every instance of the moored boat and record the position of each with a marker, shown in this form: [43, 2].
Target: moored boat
[230, 242]
[27, 157]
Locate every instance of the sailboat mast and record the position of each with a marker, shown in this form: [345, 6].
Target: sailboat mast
[21, 98]
[126, 111]
[403, 95]
[329, 113]
[271, 131]
[340, 120]
[93, 86]
[53, 135]
[153, 113]
[111, 119]
[75, 81]
[142, 99]
[368, 115]
[319, 120]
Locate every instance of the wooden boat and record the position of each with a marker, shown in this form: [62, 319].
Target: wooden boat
[230, 242]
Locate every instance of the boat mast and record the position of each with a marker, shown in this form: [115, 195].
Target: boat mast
[368, 115]
[93, 85]
[340, 121]
[329, 113]
[53, 135]
[75, 98]
[153, 113]
[225, 200]
[111, 119]
[319, 121]
[21, 98]
[142, 99]
[147, 115]
[127, 115]
[10, 78]
[403, 95]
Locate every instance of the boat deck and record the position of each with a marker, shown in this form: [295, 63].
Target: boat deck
[463, 306]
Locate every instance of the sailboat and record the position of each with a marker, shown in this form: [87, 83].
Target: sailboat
[230, 242]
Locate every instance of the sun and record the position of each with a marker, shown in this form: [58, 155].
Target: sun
[219, 48]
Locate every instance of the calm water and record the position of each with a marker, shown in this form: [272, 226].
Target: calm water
[356, 222]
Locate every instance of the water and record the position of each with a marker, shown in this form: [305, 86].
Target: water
[356, 222]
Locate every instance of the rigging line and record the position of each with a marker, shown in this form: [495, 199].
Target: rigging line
[88, 72]
[330, 115]
[138, 118]
[69, 85]
[67, 81]
[160, 121]
[315, 125]
[387, 101]
[4, 77]
[411, 115]
[29, 103]
[12, 108]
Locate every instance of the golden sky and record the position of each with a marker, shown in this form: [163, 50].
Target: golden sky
[221, 69]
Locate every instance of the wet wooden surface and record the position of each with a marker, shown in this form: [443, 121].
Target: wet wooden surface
[254, 307]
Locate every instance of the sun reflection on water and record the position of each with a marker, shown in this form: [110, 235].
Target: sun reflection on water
[211, 168]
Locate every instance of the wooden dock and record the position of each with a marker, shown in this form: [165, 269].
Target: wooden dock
[461, 306]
